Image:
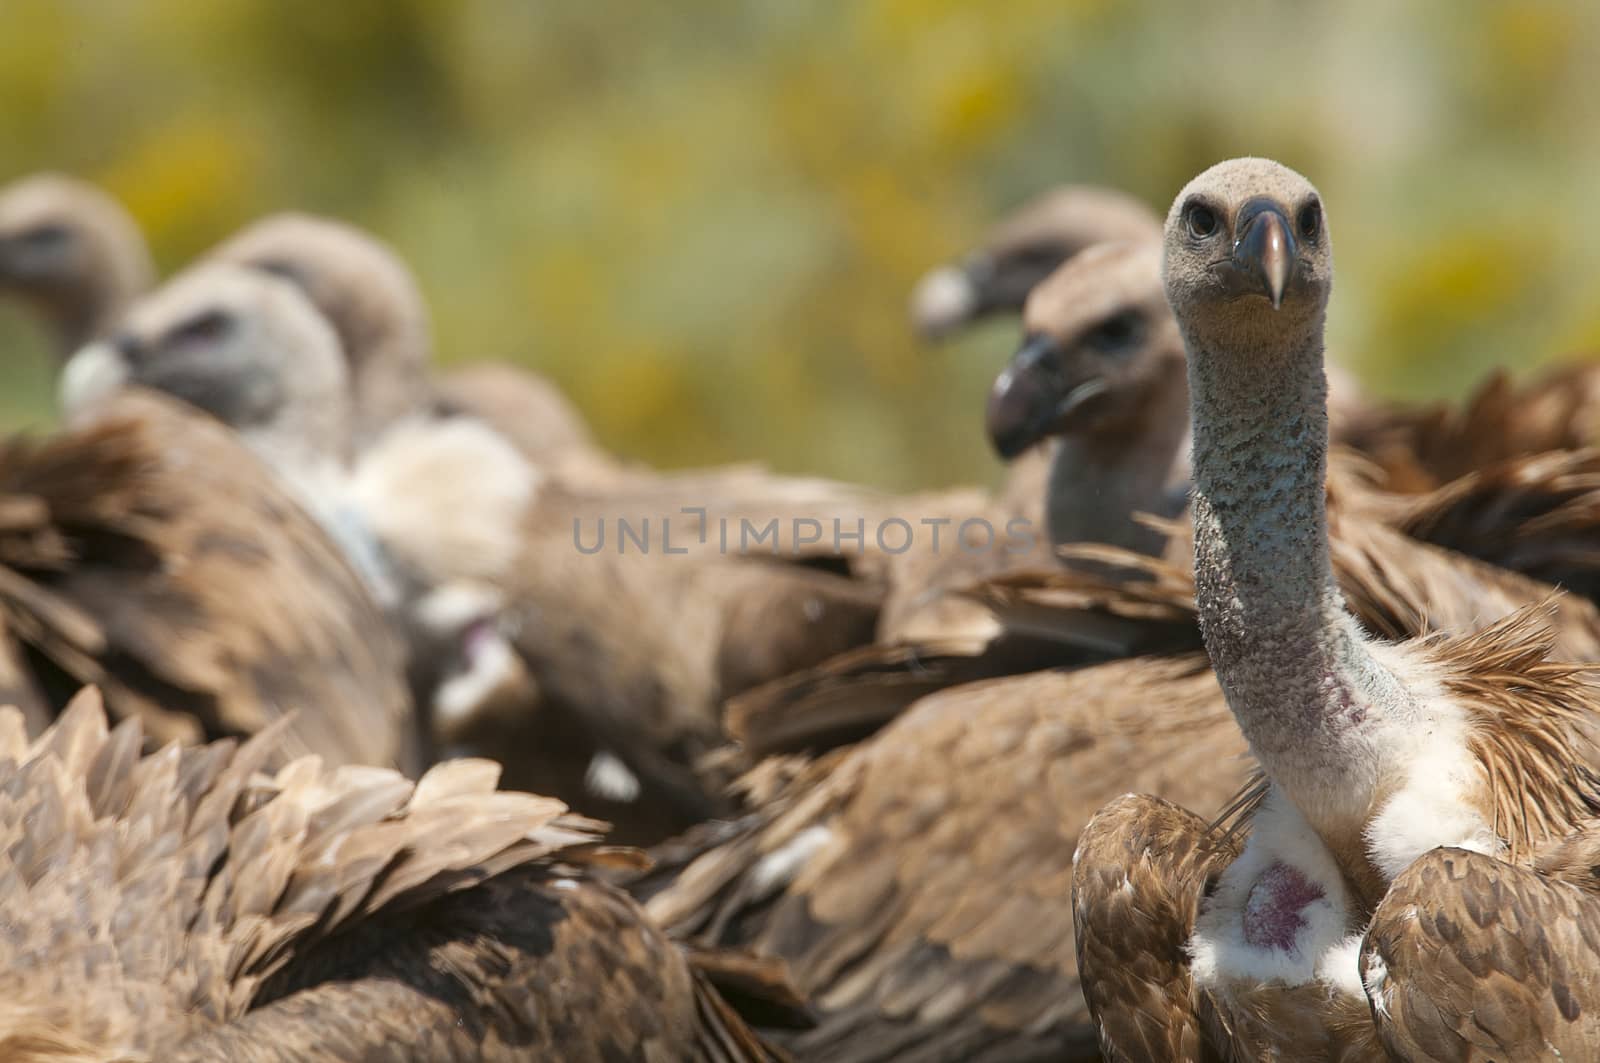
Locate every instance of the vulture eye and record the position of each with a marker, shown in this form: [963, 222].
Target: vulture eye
[1117, 334]
[48, 235]
[207, 328]
[1202, 220]
[1310, 220]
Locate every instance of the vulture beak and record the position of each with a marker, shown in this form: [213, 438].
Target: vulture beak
[945, 300]
[92, 376]
[1031, 399]
[1263, 250]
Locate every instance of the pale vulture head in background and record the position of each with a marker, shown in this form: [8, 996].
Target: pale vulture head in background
[71, 253]
[1024, 248]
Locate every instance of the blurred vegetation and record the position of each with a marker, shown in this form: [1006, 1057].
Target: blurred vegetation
[703, 218]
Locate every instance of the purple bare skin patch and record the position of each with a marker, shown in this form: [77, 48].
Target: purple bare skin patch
[1274, 911]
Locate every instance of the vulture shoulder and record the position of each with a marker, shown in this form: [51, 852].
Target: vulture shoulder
[151, 554]
[187, 905]
[1469, 958]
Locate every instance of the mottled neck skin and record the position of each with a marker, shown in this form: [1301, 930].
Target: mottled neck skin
[1297, 673]
[1099, 481]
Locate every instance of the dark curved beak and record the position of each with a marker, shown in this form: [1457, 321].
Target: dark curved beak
[1031, 398]
[1263, 250]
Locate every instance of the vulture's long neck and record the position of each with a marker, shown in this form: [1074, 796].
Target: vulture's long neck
[1098, 483]
[1296, 670]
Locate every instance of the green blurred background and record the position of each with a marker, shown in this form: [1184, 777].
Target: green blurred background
[703, 218]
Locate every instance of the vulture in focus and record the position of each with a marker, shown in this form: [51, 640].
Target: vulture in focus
[911, 881]
[148, 552]
[1402, 781]
[72, 254]
[191, 904]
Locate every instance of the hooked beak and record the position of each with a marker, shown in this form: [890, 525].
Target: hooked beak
[1263, 251]
[1028, 403]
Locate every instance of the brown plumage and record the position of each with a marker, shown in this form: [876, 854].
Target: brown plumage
[1536, 514]
[597, 677]
[916, 883]
[1449, 912]
[877, 872]
[149, 553]
[634, 651]
[1141, 867]
[1138, 886]
[1420, 449]
[182, 905]
[71, 253]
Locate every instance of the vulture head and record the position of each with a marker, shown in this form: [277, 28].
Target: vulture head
[1022, 250]
[1100, 349]
[368, 294]
[70, 251]
[1248, 260]
[243, 346]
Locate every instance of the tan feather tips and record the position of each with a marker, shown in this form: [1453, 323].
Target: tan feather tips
[175, 891]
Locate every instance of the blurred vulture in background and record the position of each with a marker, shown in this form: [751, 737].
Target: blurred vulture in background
[189, 904]
[596, 676]
[1022, 249]
[72, 254]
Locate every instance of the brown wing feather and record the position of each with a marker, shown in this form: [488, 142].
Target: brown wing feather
[1470, 958]
[1420, 448]
[165, 564]
[1141, 867]
[1537, 515]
